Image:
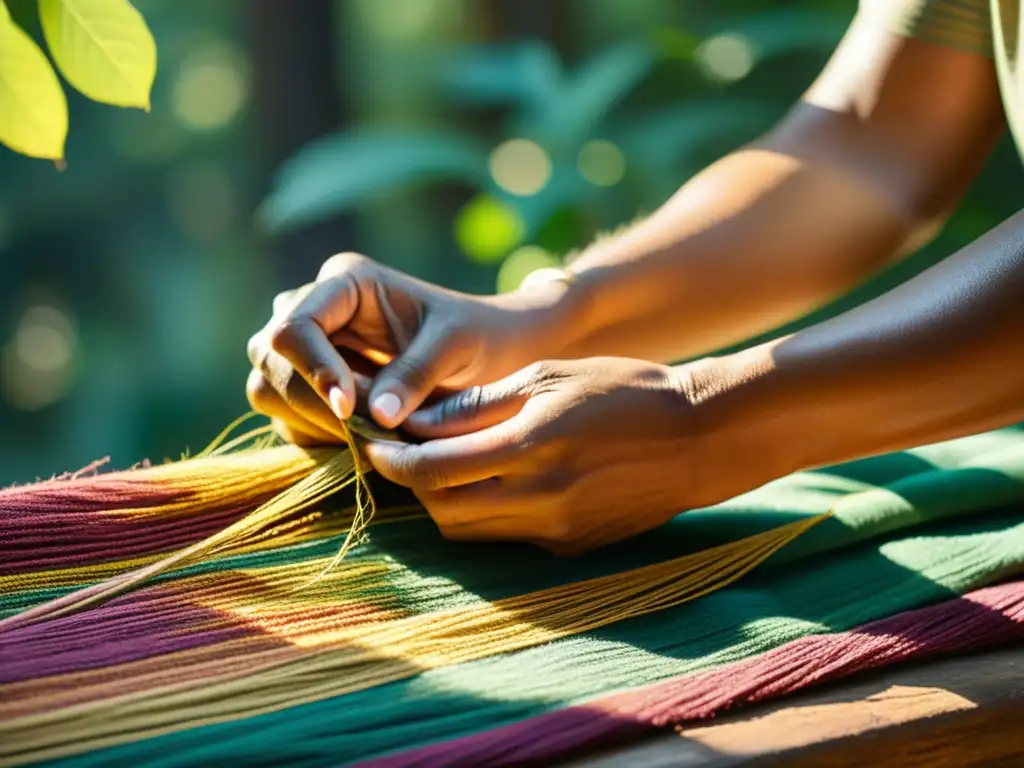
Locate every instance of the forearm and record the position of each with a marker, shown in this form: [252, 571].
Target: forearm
[940, 357]
[758, 239]
[876, 154]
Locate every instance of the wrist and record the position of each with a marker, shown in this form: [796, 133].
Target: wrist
[551, 309]
[748, 428]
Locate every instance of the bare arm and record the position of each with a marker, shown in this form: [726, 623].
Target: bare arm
[866, 167]
[940, 357]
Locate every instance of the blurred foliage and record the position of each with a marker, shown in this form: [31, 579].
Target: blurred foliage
[472, 151]
[575, 149]
[130, 280]
[102, 47]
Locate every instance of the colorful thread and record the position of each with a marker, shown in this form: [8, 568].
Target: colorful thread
[218, 608]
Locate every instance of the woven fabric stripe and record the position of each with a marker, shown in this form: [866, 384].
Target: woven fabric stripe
[239, 652]
[981, 619]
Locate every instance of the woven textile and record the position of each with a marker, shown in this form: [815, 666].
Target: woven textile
[245, 647]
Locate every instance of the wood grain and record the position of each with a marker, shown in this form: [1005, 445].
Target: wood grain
[959, 712]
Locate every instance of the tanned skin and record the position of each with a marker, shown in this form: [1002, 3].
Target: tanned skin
[566, 425]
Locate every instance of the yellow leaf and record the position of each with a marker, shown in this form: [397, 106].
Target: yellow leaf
[103, 48]
[33, 110]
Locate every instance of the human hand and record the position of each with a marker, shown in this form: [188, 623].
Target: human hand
[425, 337]
[567, 455]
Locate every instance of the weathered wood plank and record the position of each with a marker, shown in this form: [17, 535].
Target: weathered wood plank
[963, 711]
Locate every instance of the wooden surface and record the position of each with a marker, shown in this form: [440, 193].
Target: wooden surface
[953, 713]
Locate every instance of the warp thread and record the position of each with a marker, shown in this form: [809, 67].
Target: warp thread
[211, 487]
[985, 618]
[207, 647]
[47, 718]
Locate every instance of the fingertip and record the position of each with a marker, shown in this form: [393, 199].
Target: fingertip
[340, 404]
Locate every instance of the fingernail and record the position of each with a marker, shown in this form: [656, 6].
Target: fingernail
[337, 400]
[387, 406]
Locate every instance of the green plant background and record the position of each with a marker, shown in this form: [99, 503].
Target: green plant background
[364, 125]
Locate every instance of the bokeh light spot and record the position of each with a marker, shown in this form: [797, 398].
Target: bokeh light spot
[211, 88]
[521, 264]
[486, 229]
[37, 363]
[725, 58]
[520, 167]
[601, 163]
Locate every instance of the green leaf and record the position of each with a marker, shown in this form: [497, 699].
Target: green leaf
[33, 110]
[590, 93]
[334, 173]
[675, 43]
[103, 48]
[526, 72]
[674, 136]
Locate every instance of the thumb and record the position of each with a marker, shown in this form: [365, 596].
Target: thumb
[472, 409]
[408, 380]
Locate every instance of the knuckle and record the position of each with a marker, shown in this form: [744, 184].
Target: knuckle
[412, 372]
[536, 373]
[282, 301]
[558, 528]
[287, 334]
[320, 377]
[465, 405]
[256, 349]
[258, 391]
[540, 374]
[279, 373]
[341, 263]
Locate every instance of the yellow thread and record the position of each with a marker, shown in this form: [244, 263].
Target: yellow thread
[332, 474]
[244, 678]
[330, 646]
[252, 438]
[365, 506]
[219, 439]
[208, 481]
